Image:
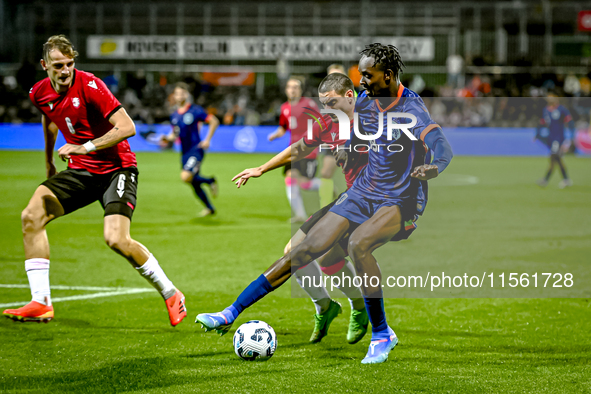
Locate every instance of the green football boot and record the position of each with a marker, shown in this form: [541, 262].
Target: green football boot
[322, 322]
[357, 325]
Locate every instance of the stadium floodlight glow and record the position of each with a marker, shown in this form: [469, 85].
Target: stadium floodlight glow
[392, 125]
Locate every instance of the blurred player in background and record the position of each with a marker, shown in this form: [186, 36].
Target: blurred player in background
[327, 187]
[101, 167]
[294, 119]
[551, 132]
[186, 121]
[336, 92]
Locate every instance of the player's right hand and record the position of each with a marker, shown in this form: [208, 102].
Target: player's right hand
[245, 175]
[50, 170]
[271, 137]
[343, 158]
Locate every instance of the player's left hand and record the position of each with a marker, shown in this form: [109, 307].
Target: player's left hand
[70, 149]
[425, 172]
[204, 144]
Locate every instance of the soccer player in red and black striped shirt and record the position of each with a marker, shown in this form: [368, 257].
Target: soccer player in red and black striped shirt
[101, 167]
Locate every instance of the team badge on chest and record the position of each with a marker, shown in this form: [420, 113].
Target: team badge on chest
[188, 118]
[75, 102]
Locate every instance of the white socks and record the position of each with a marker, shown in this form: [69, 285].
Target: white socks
[38, 274]
[313, 286]
[312, 185]
[353, 293]
[155, 275]
[295, 198]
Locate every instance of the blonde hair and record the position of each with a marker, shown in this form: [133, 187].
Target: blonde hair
[298, 79]
[62, 44]
[335, 67]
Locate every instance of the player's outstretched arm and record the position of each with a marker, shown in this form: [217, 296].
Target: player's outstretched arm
[50, 133]
[442, 155]
[213, 123]
[122, 130]
[294, 152]
[280, 132]
[277, 161]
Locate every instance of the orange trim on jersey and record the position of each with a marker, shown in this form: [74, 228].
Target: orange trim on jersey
[184, 108]
[427, 129]
[399, 94]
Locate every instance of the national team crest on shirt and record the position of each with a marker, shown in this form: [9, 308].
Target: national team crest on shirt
[75, 102]
[188, 118]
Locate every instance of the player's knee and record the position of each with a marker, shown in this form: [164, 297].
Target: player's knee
[31, 219]
[186, 177]
[358, 248]
[300, 255]
[118, 243]
[287, 248]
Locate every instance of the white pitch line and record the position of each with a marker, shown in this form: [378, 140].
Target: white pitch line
[112, 291]
[62, 287]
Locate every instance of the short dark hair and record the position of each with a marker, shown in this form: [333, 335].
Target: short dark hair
[182, 85]
[552, 92]
[386, 57]
[62, 44]
[338, 82]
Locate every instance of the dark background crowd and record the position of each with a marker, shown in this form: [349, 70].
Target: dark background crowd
[468, 100]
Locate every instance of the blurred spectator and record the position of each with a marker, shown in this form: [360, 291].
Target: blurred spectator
[137, 82]
[26, 76]
[572, 86]
[455, 68]
[495, 100]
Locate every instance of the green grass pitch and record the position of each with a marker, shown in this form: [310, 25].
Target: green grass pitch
[125, 344]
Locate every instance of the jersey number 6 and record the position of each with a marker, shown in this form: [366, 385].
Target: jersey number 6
[70, 126]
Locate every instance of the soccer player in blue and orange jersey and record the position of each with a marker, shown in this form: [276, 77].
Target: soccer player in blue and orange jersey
[186, 121]
[373, 210]
[554, 119]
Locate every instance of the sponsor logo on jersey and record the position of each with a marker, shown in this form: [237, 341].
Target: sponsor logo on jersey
[75, 102]
[333, 135]
[92, 84]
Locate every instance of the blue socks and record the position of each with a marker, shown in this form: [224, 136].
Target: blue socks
[196, 183]
[377, 316]
[254, 292]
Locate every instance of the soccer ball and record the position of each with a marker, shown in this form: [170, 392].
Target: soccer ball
[255, 340]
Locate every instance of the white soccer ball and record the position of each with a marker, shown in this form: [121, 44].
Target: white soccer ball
[255, 340]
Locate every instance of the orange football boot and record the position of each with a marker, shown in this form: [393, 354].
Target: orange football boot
[177, 310]
[33, 311]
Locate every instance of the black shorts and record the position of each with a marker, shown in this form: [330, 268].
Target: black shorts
[306, 167]
[316, 216]
[116, 191]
